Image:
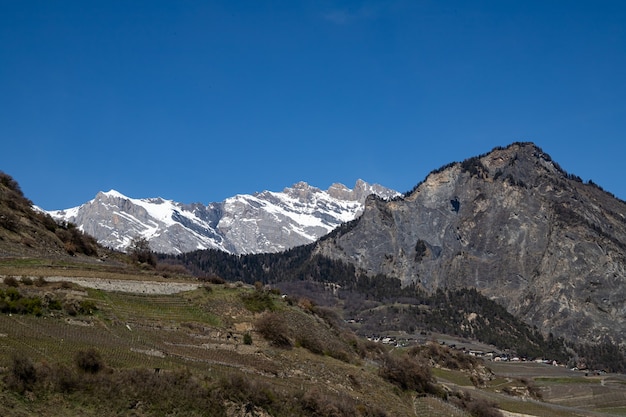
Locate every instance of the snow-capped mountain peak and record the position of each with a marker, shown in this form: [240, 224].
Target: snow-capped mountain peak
[114, 194]
[263, 222]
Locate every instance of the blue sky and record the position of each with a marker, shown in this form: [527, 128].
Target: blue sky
[197, 101]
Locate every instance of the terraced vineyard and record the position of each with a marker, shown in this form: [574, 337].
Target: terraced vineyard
[153, 308]
[210, 334]
[435, 407]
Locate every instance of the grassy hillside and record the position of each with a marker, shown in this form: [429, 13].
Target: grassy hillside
[25, 231]
[203, 352]
[235, 350]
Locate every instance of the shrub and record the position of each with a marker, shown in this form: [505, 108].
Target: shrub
[54, 304]
[274, 329]
[12, 294]
[30, 305]
[167, 270]
[70, 307]
[275, 291]
[47, 221]
[87, 307]
[8, 181]
[9, 221]
[247, 338]
[89, 361]
[533, 390]
[480, 407]
[258, 301]
[477, 407]
[365, 348]
[11, 301]
[140, 252]
[11, 281]
[326, 405]
[63, 379]
[236, 388]
[305, 304]
[339, 354]
[407, 373]
[27, 281]
[449, 358]
[329, 315]
[213, 279]
[23, 374]
[70, 248]
[74, 307]
[75, 241]
[311, 343]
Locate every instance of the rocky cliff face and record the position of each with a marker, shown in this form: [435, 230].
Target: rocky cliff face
[263, 222]
[512, 224]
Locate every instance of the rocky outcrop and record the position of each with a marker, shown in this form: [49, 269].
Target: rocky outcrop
[512, 224]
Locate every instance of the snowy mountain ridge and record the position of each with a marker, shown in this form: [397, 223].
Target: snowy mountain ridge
[263, 222]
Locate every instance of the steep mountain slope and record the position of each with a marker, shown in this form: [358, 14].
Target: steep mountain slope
[263, 222]
[25, 231]
[512, 224]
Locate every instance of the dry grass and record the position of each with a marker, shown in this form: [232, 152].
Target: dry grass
[41, 268]
[454, 377]
[199, 330]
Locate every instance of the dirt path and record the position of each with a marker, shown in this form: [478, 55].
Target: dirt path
[512, 414]
[130, 286]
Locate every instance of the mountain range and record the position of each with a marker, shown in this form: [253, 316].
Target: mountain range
[510, 224]
[263, 222]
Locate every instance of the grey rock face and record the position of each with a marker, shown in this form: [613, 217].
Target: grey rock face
[264, 222]
[513, 225]
[114, 220]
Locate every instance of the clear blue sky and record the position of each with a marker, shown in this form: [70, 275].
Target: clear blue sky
[197, 101]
